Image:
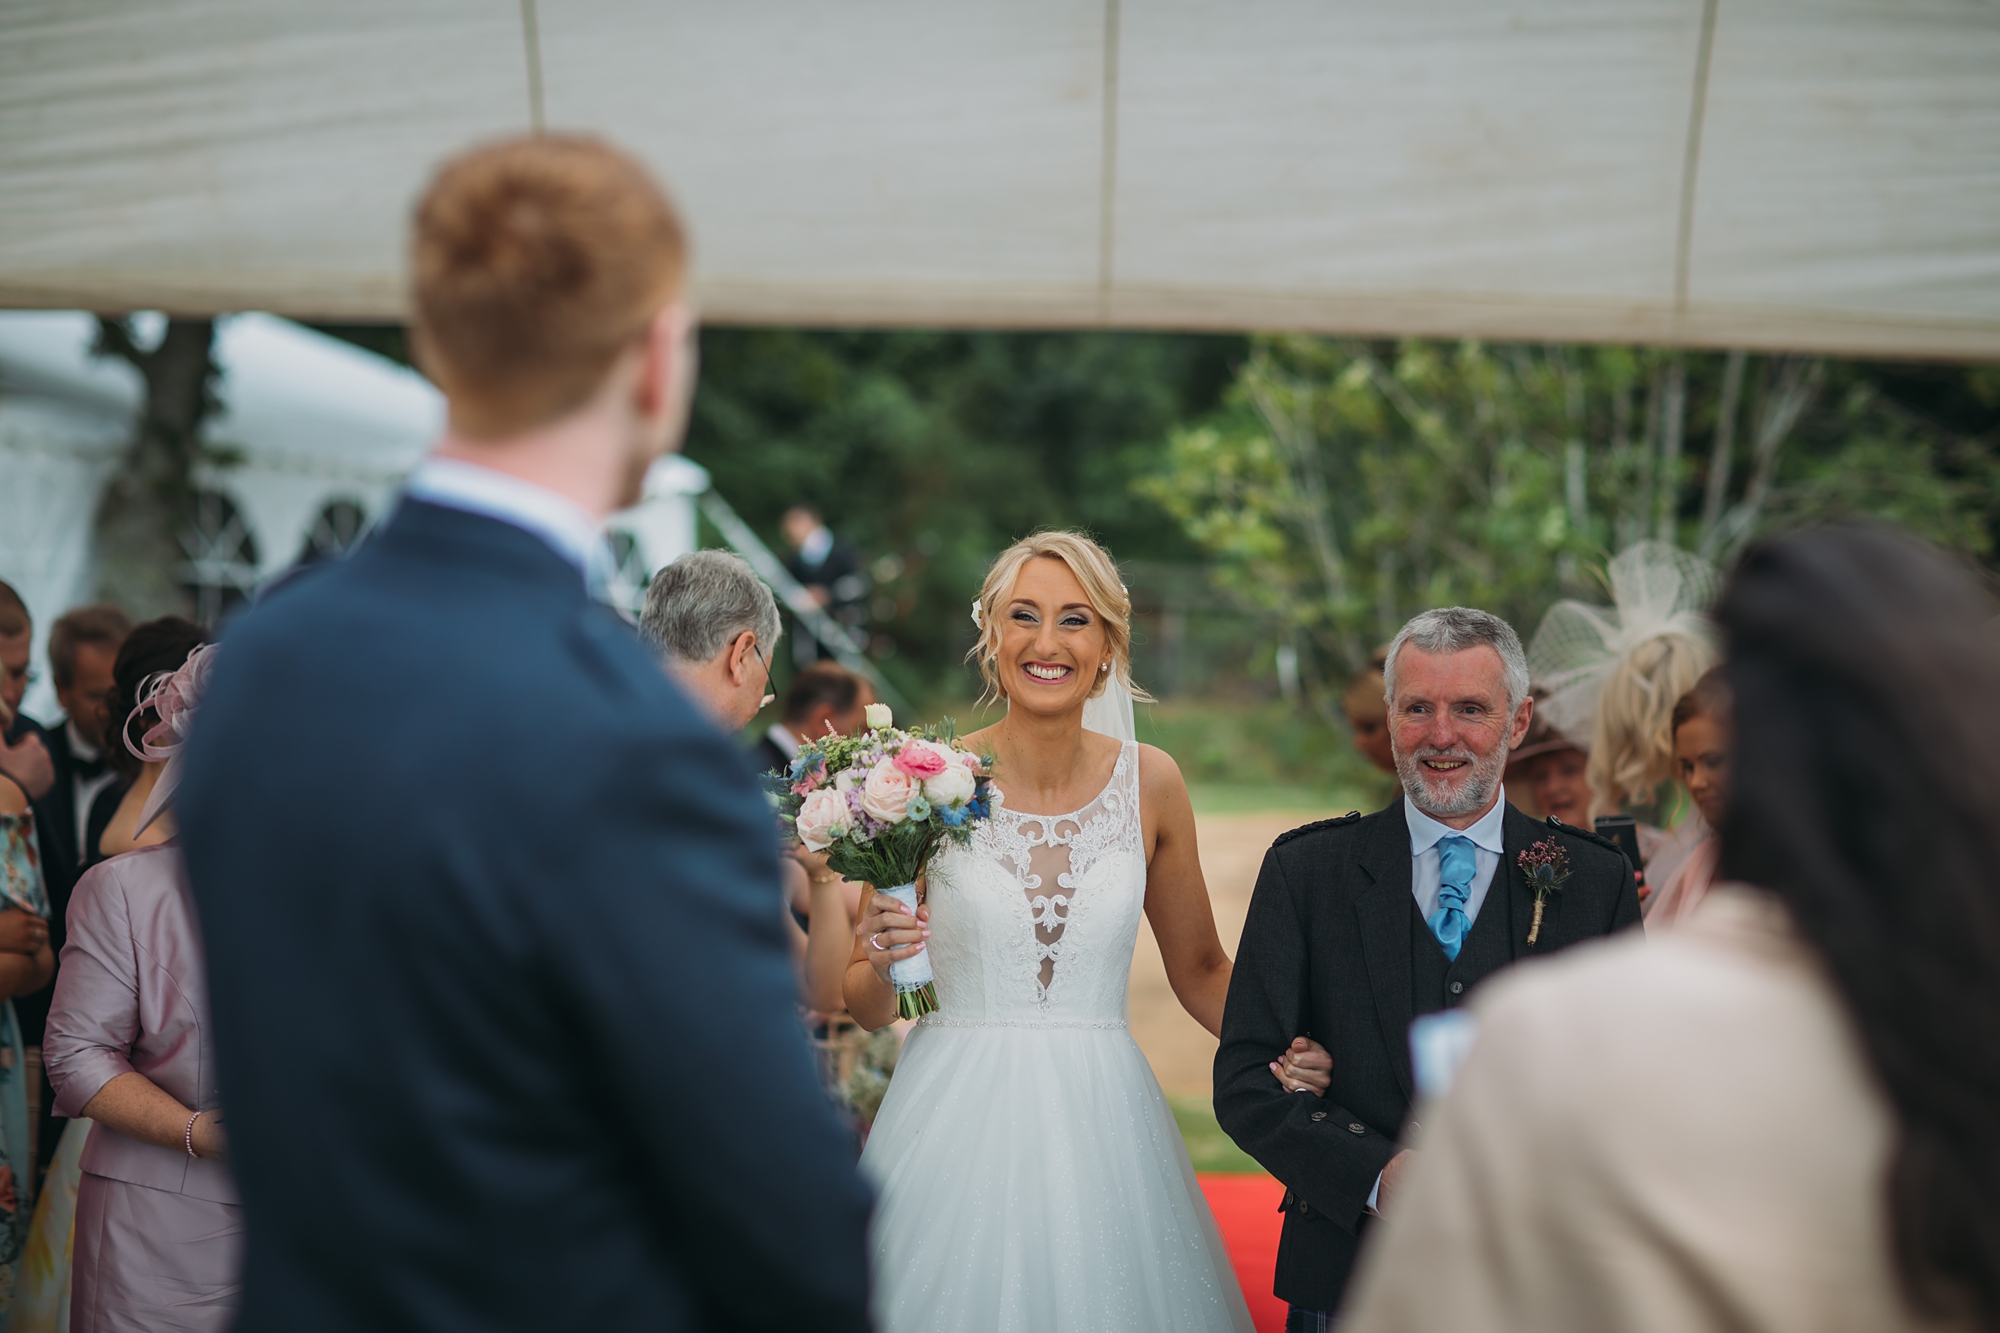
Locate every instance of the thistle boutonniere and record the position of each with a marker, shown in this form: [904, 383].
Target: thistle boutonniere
[1546, 865]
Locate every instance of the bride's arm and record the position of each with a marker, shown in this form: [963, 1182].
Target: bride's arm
[871, 999]
[1177, 896]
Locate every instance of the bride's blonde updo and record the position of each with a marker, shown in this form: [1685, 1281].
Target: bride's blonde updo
[1094, 569]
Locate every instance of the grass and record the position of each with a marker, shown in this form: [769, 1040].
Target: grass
[1208, 1147]
[1250, 798]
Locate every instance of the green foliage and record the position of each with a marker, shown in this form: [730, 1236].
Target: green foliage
[931, 451]
[1343, 486]
[1262, 755]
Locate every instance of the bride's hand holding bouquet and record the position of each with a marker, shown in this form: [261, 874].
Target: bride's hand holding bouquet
[878, 805]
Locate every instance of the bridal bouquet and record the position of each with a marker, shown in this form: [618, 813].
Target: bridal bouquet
[879, 804]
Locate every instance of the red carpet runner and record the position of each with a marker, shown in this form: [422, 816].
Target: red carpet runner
[1246, 1210]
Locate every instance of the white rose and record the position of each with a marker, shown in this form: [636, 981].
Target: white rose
[822, 818]
[950, 787]
[880, 716]
[886, 795]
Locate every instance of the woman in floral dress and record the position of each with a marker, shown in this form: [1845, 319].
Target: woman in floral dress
[26, 964]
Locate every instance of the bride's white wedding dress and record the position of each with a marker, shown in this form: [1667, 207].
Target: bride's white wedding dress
[1031, 1175]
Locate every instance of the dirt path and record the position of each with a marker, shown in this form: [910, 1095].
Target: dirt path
[1232, 849]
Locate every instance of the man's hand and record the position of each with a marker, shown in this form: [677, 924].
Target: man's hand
[27, 762]
[1392, 1176]
[1306, 1066]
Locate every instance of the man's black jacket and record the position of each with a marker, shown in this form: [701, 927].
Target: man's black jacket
[1334, 949]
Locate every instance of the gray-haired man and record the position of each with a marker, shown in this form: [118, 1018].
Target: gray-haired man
[715, 625]
[1359, 925]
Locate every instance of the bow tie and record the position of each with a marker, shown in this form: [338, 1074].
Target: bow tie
[87, 768]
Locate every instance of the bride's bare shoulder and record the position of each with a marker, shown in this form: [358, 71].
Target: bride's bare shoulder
[1159, 775]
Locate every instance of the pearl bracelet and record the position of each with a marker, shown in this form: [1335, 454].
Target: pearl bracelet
[188, 1134]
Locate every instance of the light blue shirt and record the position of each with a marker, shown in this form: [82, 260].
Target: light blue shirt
[1488, 847]
[565, 526]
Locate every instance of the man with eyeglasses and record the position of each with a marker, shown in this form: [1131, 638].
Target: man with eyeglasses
[715, 625]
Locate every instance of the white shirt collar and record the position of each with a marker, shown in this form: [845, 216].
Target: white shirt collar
[564, 525]
[781, 736]
[78, 746]
[1488, 833]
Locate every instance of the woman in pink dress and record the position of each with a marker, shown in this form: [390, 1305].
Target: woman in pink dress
[1703, 739]
[158, 1230]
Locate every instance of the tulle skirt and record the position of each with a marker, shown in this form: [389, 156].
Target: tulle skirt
[1033, 1181]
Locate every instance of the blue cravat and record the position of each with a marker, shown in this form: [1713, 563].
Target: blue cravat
[1455, 866]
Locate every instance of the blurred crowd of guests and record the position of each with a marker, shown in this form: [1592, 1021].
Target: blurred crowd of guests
[109, 1129]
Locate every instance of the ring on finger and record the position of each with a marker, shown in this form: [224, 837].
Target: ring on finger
[875, 942]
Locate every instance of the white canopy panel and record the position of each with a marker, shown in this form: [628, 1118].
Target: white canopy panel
[1727, 172]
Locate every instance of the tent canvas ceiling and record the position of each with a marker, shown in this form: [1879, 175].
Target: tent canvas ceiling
[1713, 172]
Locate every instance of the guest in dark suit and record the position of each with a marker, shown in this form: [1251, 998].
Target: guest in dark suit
[1359, 925]
[823, 695]
[830, 571]
[502, 1003]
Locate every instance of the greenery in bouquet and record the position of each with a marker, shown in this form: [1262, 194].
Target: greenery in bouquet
[880, 804]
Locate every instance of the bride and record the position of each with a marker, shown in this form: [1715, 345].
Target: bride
[1030, 1172]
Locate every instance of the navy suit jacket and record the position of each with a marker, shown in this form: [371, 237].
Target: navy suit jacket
[504, 1011]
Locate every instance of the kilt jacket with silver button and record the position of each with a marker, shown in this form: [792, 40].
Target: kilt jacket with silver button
[1334, 949]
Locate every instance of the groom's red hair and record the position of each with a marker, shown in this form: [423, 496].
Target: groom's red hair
[534, 263]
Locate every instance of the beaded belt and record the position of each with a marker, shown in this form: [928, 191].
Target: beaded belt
[935, 1020]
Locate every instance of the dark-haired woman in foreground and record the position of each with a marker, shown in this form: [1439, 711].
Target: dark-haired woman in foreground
[1785, 1114]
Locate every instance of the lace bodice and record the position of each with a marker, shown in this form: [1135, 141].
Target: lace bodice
[1034, 920]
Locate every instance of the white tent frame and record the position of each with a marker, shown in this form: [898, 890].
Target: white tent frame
[1753, 173]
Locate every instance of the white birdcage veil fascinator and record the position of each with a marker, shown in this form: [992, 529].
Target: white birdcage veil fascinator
[1656, 590]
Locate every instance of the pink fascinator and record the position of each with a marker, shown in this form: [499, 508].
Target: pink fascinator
[174, 695]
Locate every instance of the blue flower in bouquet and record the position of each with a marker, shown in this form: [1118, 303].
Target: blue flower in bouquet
[920, 809]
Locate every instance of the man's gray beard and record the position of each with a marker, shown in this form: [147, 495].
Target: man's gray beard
[1471, 798]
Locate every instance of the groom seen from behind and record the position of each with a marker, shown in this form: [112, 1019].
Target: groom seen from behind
[1359, 925]
[492, 912]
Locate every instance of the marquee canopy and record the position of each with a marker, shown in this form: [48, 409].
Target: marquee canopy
[1761, 173]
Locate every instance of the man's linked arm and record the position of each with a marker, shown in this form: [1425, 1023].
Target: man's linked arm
[1307, 1142]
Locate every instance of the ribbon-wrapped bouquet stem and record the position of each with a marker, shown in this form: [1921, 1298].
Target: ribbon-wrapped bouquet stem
[879, 804]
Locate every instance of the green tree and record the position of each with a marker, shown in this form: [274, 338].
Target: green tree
[1343, 486]
[932, 450]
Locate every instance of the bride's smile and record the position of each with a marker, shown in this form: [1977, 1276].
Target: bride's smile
[1053, 646]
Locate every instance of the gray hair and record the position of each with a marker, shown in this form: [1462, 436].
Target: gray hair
[1453, 629]
[701, 601]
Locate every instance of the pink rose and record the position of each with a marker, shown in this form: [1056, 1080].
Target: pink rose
[920, 760]
[886, 795]
[822, 818]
